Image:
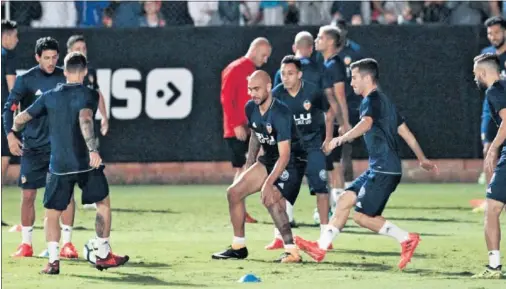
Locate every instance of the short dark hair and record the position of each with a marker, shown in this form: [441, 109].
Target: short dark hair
[333, 32]
[368, 66]
[496, 20]
[46, 43]
[74, 39]
[9, 26]
[489, 59]
[75, 62]
[292, 59]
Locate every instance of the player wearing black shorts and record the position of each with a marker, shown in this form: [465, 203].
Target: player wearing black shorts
[277, 174]
[487, 74]
[70, 109]
[309, 106]
[35, 150]
[381, 126]
[9, 42]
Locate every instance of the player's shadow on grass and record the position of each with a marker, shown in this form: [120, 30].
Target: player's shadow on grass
[435, 220]
[76, 228]
[376, 254]
[140, 264]
[137, 211]
[136, 279]
[447, 275]
[298, 225]
[355, 266]
[440, 208]
[353, 230]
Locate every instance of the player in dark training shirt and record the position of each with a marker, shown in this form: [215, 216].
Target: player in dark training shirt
[35, 150]
[9, 42]
[308, 105]
[70, 109]
[487, 74]
[381, 125]
[277, 174]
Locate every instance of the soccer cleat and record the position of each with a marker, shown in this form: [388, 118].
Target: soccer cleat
[24, 250]
[276, 244]
[231, 254]
[15, 228]
[250, 219]
[331, 247]
[110, 261]
[52, 268]
[475, 203]
[408, 249]
[4, 224]
[288, 257]
[490, 273]
[69, 251]
[310, 248]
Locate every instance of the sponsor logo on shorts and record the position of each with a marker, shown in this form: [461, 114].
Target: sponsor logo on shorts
[23, 179]
[284, 176]
[323, 175]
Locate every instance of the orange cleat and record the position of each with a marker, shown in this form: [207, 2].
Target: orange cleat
[330, 247]
[276, 244]
[476, 203]
[408, 249]
[250, 219]
[110, 261]
[24, 250]
[311, 248]
[68, 251]
[52, 268]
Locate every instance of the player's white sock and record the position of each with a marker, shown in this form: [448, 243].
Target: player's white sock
[289, 211]
[26, 235]
[53, 250]
[393, 231]
[334, 197]
[239, 241]
[103, 247]
[66, 233]
[289, 247]
[277, 234]
[327, 236]
[494, 258]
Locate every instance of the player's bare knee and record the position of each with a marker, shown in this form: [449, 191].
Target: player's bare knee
[28, 197]
[233, 194]
[347, 200]
[493, 208]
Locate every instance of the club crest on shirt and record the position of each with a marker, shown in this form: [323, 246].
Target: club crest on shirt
[268, 127]
[307, 104]
[347, 60]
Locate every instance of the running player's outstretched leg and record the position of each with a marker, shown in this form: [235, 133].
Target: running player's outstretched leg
[248, 183]
[277, 210]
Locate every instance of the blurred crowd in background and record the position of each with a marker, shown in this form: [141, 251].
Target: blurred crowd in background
[128, 14]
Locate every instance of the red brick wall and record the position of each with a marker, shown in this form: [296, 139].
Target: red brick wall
[222, 172]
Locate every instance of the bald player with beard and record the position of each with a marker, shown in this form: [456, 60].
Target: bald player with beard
[277, 173]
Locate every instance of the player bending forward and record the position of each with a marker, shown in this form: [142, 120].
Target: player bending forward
[381, 126]
[277, 174]
[70, 109]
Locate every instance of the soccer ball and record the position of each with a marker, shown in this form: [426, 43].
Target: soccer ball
[90, 250]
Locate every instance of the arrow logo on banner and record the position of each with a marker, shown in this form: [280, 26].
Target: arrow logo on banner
[176, 93]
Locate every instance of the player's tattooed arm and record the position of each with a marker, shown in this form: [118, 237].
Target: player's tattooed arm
[20, 120]
[253, 149]
[86, 124]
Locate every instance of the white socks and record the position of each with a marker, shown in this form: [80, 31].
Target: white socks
[289, 211]
[239, 240]
[334, 197]
[277, 234]
[393, 231]
[327, 236]
[26, 235]
[290, 247]
[103, 247]
[66, 233]
[494, 259]
[53, 250]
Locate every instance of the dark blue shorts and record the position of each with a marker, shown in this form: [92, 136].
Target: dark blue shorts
[497, 188]
[373, 190]
[34, 168]
[60, 188]
[290, 180]
[316, 172]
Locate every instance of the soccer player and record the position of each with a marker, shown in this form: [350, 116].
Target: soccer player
[234, 96]
[70, 109]
[35, 149]
[277, 173]
[327, 43]
[9, 42]
[311, 72]
[487, 74]
[309, 106]
[381, 126]
[496, 33]
[78, 43]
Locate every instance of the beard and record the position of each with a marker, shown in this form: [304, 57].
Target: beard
[481, 85]
[500, 43]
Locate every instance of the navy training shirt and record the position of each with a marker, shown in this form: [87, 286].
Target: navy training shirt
[496, 97]
[311, 72]
[27, 88]
[308, 108]
[9, 67]
[62, 105]
[275, 126]
[382, 140]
